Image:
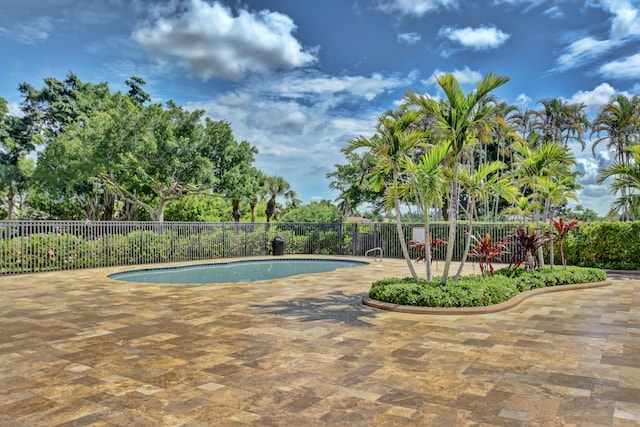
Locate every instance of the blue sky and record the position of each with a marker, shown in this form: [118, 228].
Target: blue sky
[299, 79]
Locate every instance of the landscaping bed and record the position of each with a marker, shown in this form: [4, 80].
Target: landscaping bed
[478, 291]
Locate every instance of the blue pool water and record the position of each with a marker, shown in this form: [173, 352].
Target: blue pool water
[237, 271]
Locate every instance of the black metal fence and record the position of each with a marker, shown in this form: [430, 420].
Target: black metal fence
[30, 246]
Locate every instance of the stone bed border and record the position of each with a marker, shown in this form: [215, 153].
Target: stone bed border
[482, 309]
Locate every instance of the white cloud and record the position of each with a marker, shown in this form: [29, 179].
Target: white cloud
[304, 84]
[14, 109]
[625, 68]
[594, 99]
[523, 100]
[519, 2]
[480, 38]
[212, 42]
[625, 25]
[302, 115]
[466, 76]
[416, 7]
[409, 38]
[625, 21]
[582, 51]
[554, 12]
[29, 33]
[592, 195]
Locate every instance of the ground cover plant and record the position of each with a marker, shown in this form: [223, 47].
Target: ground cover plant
[490, 287]
[476, 290]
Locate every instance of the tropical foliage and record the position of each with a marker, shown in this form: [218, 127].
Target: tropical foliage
[478, 291]
[468, 157]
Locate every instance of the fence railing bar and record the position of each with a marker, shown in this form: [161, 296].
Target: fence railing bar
[30, 246]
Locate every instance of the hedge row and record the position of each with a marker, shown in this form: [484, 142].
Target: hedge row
[63, 251]
[614, 245]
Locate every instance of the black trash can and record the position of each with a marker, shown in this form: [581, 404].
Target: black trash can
[277, 244]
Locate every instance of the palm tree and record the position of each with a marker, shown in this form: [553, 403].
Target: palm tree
[394, 142]
[349, 180]
[554, 191]
[560, 121]
[532, 164]
[524, 120]
[459, 118]
[427, 186]
[276, 186]
[619, 121]
[479, 185]
[259, 192]
[627, 177]
[521, 207]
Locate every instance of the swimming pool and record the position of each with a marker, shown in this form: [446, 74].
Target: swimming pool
[236, 271]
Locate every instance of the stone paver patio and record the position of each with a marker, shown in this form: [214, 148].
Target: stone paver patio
[77, 348]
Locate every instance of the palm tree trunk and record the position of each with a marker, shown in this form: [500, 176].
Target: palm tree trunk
[540, 252]
[551, 251]
[236, 209]
[453, 219]
[467, 244]
[427, 244]
[252, 205]
[403, 244]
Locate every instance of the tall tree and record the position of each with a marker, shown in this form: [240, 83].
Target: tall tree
[15, 144]
[625, 176]
[460, 118]
[427, 186]
[560, 121]
[136, 92]
[258, 192]
[349, 180]
[535, 165]
[478, 185]
[618, 123]
[395, 141]
[554, 190]
[276, 186]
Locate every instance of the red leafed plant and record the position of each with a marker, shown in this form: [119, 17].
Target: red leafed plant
[485, 250]
[526, 245]
[420, 246]
[562, 229]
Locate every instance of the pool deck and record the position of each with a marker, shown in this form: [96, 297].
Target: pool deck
[79, 349]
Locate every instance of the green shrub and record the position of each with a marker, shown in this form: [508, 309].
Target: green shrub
[604, 244]
[476, 291]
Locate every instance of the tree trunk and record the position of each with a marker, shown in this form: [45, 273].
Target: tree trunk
[540, 250]
[467, 244]
[403, 244]
[453, 217]
[427, 245]
[551, 251]
[271, 208]
[252, 205]
[109, 200]
[236, 209]
[158, 215]
[10, 196]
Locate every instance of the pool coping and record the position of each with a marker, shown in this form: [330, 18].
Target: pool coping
[506, 305]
